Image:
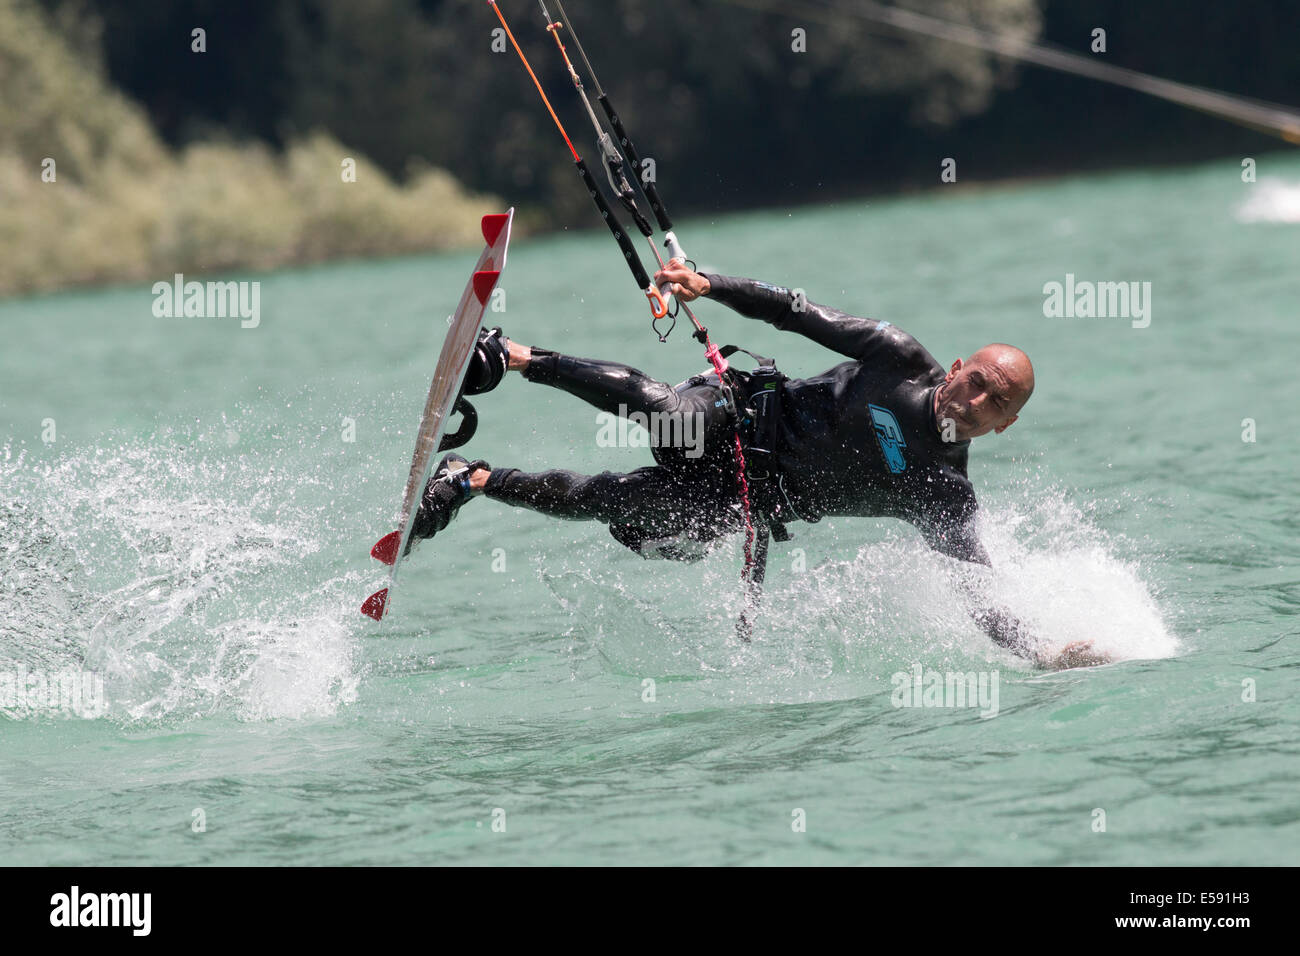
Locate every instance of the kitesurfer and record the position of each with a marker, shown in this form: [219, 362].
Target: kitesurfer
[885, 433]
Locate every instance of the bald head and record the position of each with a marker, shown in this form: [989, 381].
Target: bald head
[1013, 363]
[985, 392]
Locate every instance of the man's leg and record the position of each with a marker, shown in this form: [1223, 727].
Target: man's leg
[609, 386]
[694, 502]
[621, 389]
[691, 408]
[647, 505]
[688, 424]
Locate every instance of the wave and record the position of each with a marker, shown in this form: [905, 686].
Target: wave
[838, 616]
[199, 582]
[177, 577]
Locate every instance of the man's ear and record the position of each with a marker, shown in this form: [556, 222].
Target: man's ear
[1005, 425]
[956, 367]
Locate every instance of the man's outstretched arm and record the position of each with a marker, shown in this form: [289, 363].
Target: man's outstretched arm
[849, 335]
[1002, 627]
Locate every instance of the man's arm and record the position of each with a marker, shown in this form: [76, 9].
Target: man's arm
[1003, 628]
[960, 541]
[849, 335]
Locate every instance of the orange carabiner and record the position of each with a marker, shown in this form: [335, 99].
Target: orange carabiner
[658, 304]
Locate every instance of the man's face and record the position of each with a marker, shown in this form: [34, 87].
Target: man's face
[980, 395]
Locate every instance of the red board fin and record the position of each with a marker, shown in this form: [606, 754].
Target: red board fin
[492, 226]
[483, 283]
[375, 604]
[385, 548]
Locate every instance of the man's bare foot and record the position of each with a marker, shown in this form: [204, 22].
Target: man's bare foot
[519, 357]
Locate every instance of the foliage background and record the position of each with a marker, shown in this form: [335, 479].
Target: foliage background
[170, 160]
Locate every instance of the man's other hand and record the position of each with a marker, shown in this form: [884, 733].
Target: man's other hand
[1077, 654]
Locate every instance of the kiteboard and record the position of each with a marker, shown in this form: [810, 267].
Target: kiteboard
[443, 401]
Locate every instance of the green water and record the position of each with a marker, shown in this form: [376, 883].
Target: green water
[197, 532]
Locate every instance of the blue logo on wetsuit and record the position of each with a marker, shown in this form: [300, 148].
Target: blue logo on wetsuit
[890, 437]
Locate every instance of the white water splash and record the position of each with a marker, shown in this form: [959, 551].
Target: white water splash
[828, 622]
[177, 578]
[1061, 574]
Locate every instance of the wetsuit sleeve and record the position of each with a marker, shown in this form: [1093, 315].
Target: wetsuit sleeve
[949, 527]
[1006, 630]
[858, 338]
[953, 533]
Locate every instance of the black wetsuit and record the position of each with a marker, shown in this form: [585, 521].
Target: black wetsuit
[859, 439]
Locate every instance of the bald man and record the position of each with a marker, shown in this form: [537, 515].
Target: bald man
[885, 433]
